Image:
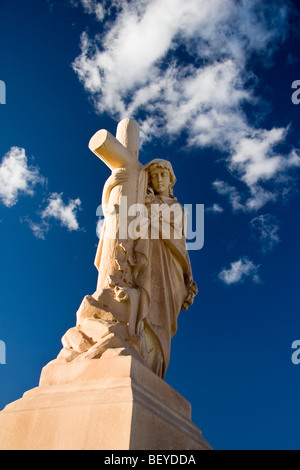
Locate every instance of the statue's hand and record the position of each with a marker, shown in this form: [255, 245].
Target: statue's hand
[192, 291]
[119, 176]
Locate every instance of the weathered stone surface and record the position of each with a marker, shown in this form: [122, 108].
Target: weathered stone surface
[105, 388]
[66, 355]
[91, 308]
[110, 404]
[96, 328]
[76, 339]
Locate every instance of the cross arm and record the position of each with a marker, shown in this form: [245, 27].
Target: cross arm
[110, 150]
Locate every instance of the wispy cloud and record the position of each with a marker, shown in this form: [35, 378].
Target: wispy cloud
[38, 228]
[255, 162]
[65, 214]
[265, 229]
[17, 176]
[91, 7]
[216, 208]
[247, 201]
[224, 189]
[135, 66]
[56, 209]
[186, 67]
[238, 271]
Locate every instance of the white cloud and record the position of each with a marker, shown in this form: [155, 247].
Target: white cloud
[124, 74]
[265, 229]
[251, 200]
[259, 197]
[17, 177]
[134, 68]
[66, 214]
[224, 189]
[134, 64]
[256, 160]
[39, 229]
[91, 7]
[238, 271]
[215, 208]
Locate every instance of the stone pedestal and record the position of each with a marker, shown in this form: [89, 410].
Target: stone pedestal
[100, 404]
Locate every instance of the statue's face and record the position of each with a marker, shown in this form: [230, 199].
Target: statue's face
[160, 181]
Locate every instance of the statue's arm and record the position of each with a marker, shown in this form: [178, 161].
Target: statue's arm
[191, 285]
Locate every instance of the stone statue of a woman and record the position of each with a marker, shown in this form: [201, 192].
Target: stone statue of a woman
[144, 281]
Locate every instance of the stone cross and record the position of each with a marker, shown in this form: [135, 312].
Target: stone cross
[120, 154]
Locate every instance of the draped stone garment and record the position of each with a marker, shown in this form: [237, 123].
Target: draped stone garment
[161, 273]
[164, 277]
[163, 283]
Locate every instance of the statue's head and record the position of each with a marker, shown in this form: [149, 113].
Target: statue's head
[161, 177]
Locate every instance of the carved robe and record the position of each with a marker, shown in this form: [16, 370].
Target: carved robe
[165, 282]
[160, 273]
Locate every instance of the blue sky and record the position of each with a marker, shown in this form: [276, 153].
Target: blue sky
[210, 84]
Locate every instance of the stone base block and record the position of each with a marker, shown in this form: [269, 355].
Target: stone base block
[100, 404]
